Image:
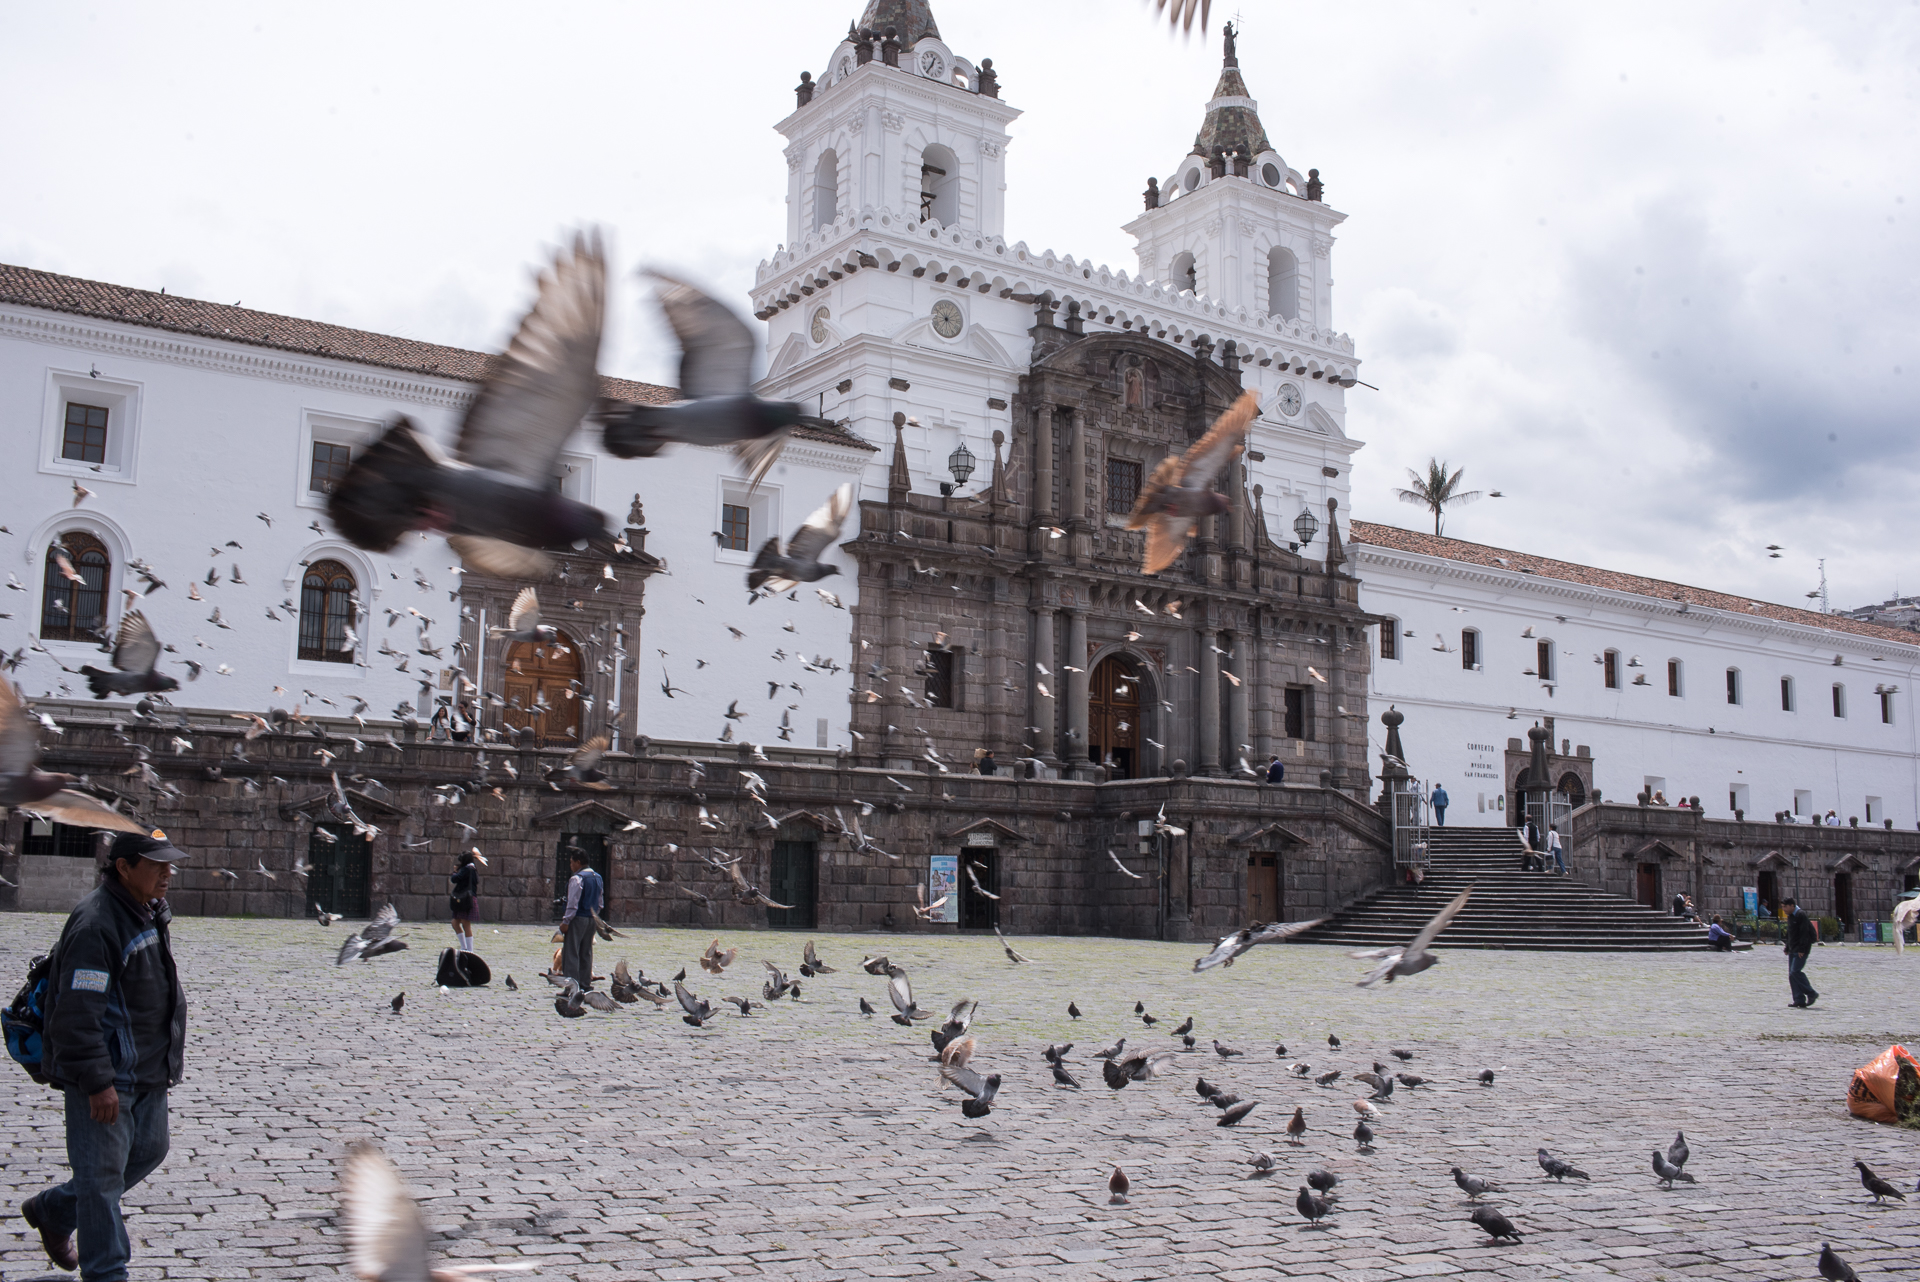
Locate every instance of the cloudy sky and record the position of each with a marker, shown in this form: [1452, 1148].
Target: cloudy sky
[1649, 269]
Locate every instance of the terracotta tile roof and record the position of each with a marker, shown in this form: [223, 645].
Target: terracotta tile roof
[1396, 539]
[30, 288]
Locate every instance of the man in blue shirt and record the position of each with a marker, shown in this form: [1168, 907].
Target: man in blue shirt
[1440, 805]
[586, 894]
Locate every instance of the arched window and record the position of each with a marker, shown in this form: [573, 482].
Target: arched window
[70, 610]
[1470, 649]
[1389, 638]
[326, 612]
[1733, 685]
[826, 189]
[1283, 283]
[939, 186]
[1184, 273]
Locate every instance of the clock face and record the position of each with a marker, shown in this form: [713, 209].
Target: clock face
[1289, 399]
[946, 318]
[930, 64]
[820, 330]
[846, 67]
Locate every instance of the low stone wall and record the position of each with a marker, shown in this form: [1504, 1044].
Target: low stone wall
[1713, 859]
[1050, 838]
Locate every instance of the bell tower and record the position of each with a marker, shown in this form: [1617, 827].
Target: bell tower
[1234, 223]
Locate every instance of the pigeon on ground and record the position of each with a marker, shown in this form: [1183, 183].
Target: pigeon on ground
[135, 652]
[1224, 1051]
[1117, 1186]
[1062, 1077]
[1322, 1181]
[1415, 957]
[1184, 1028]
[1678, 1152]
[980, 1090]
[1333, 1040]
[746, 1004]
[1232, 946]
[523, 621]
[1486, 1077]
[1233, 1115]
[716, 369]
[774, 571]
[511, 985]
[1327, 1078]
[1401, 1055]
[1363, 1134]
[1056, 1053]
[1311, 1205]
[866, 1007]
[1112, 1050]
[1833, 1268]
[24, 786]
[1073, 1012]
[1280, 1051]
[1667, 1171]
[1296, 1125]
[1222, 1100]
[496, 499]
[1204, 1089]
[1263, 1164]
[386, 1235]
[1494, 1224]
[1180, 491]
[1873, 1184]
[1558, 1169]
[1473, 1186]
[399, 1000]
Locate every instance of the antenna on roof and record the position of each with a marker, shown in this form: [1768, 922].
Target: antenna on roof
[1824, 607]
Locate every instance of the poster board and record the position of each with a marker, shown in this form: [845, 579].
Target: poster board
[1750, 898]
[943, 878]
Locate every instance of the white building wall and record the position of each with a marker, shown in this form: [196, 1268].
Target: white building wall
[1458, 721]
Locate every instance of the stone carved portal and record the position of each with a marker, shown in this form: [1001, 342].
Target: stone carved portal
[1113, 715]
[544, 673]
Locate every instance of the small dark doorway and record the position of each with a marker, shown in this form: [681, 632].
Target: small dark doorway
[1769, 892]
[599, 858]
[795, 880]
[1263, 887]
[1843, 898]
[977, 911]
[1575, 790]
[1911, 881]
[340, 870]
[1648, 890]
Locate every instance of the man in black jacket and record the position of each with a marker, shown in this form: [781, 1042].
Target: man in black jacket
[1802, 934]
[115, 1041]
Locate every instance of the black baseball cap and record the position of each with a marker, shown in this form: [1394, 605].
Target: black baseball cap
[146, 845]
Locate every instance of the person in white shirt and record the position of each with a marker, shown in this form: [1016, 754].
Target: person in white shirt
[1554, 849]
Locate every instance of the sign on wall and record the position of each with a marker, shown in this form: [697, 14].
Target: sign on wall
[943, 878]
[982, 837]
[1750, 896]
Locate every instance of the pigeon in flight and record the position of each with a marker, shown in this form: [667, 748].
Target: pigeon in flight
[774, 571]
[698, 1010]
[24, 785]
[1494, 1224]
[523, 621]
[905, 1012]
[1232, 946]
[135, 652]
[716, 369]
[1180, 491]
[1008, 948]
[376, 932]
[386, 1235]
[981, 1090]
[582, 766]
[495, 499]
[1415, 957]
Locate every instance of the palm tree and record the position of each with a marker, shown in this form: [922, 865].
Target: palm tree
[1436, 489]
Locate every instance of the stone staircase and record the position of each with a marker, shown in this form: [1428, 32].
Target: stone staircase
[1509, 908]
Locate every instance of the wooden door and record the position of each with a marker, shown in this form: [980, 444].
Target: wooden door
[1263, 888]
[977, 911]
[1649, 888]
[1113, 716]
[544, 673]
[794, 880]
[340, 871]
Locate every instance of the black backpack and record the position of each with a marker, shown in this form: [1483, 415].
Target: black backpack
[25, 1020]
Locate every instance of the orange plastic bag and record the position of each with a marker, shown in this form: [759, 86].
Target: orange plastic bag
[1887, 1088]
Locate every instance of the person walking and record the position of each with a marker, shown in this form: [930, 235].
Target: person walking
[1555, 849]
[1276, 772]
[115, 1043]
[1802, 934]
[465, 894]
[1440, 804]
[585, 894]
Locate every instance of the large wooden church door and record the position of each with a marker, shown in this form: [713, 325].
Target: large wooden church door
[539, 687]
[1113, 716]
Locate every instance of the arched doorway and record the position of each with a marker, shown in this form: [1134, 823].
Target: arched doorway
[1576, 791]
[1113, 715]
[539, 687]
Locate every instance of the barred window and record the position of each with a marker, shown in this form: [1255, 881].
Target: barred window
[1123, 485]
[71, 611]
[330, 464]
[86, 434]
[326, 612]
[940, 678]
[733, 526]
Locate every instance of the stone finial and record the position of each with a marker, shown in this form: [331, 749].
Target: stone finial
[1217, 164]
[1336, 550]
[890, 47]
[998, 490]
[899, 479]
[1152, 193]
[803, 92]
[1315, 188]
[1240, 163]
[1043, 310]
[1074, 324]
[862, 45]
[989, 79]
[637, 514]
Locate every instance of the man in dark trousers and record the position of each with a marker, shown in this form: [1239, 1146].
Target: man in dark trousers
[585, 895]
[1802, 934]
[1440, 805]
[116, 1033]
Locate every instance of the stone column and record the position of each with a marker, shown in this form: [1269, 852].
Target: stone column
[1043, 464]
[901, 673]
[1238, 699]
[997, 708]
[1237, 514]
[1209, 719]
[1077, 746]
[1076, 486]
[1040, 706]
[1262, 669]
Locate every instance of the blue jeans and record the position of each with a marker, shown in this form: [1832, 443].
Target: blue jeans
[1560, 859]
[1797, 979]
[1440, 815]
[106, 1162]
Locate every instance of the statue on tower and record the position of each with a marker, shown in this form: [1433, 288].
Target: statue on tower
[1232, 60]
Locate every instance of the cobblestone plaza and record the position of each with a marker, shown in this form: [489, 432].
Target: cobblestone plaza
[809, 1142]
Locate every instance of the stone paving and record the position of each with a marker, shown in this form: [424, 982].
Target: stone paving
[808, 1142]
